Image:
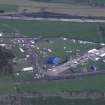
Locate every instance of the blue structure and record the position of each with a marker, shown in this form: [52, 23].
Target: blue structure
[93, 68]
[53, 60]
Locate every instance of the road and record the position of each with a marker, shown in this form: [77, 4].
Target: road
[53, 19]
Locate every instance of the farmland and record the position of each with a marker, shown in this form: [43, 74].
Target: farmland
[8, 8]
[57, 101]
[60, 101]
[83, 31]
[65, 40]
[65, 46]
[65, 8]
[87, 84]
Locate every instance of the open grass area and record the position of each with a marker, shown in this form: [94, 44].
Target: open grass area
[86, 83]
[83, 31]
[79, 84]
[64, 48]
[60, 101]
[7, 88]
[6, 85]
[61, 48]
[8, 8]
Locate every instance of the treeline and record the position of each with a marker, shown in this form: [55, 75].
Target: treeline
[46, 14]
[6, 57]
[84, 2]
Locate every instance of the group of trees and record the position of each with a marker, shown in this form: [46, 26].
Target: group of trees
[86, 2]
[91, 2]
[6, 57]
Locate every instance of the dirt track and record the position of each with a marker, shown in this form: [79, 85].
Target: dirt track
[58, 8]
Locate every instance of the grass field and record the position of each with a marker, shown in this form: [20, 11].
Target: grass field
[60, 101]
[8, 8]
[7, 88]
[6, 85]
[83, 31]
[86, 83]
[63, 48]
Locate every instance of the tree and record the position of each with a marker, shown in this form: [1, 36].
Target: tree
[6, 57]
[102, 31]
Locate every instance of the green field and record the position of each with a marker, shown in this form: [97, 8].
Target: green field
[7, 88]
[83, 31]
[60, 101]
[6, 85]
[8, 8]
[57, 101]
[61, 47]
[86, 83]
[58, 47]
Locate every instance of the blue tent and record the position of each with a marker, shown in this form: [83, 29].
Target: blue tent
[93, 68]
[53, 60]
